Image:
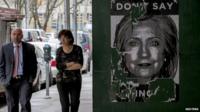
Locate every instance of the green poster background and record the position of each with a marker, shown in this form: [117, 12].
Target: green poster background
[189, 35]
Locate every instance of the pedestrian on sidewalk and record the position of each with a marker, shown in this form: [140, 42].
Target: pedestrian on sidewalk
[69, 58]
[18, 67]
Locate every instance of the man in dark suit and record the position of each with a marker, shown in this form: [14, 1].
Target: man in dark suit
[18, 67]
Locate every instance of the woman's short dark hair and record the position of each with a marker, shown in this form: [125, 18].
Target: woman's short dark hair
[67, 34]
[168, 30]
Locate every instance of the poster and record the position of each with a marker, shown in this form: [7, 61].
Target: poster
[145, 51]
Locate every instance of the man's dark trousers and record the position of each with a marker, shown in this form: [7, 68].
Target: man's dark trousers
[20, 90]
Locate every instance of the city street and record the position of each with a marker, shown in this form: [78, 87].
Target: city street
[40, 103]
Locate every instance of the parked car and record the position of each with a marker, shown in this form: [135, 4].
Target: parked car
[54, 70]
[30, 36]
[51, 35]
[34, 35]
[54, 47]
[83, 40]
[54, 43]
[42, 35]
[41, 71]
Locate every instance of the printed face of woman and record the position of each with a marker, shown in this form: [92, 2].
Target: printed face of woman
[144, 52]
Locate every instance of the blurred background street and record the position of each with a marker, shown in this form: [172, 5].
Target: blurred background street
[41, 20]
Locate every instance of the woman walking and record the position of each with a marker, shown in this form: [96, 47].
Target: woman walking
[69, 60]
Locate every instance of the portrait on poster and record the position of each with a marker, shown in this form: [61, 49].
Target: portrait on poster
[145, 46]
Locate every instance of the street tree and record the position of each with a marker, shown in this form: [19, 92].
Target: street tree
[49, 6]
[34, 9]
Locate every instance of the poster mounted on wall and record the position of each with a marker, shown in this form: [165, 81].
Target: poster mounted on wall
[145, 45]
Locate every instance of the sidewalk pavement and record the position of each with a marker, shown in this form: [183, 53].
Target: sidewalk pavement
[39, 102]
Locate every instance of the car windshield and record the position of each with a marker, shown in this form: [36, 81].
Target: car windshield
[48, 35]
[29, 36]
[25, 33]
[42, 33]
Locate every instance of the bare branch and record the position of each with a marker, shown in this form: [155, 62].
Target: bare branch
[49, 9]
[50, 6]
[6, 2]
[59, 4]
[33, 9]
[78, 3]
[21, 4]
